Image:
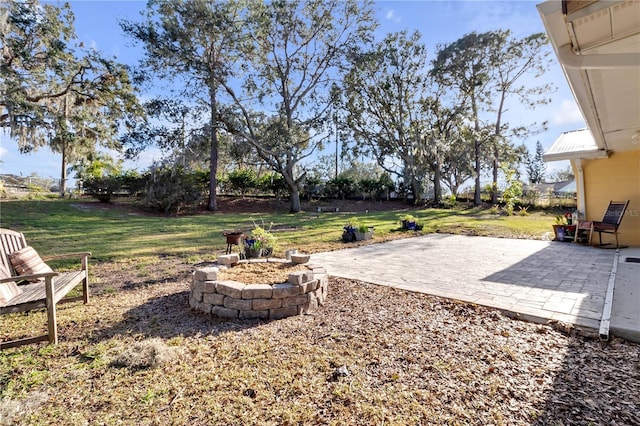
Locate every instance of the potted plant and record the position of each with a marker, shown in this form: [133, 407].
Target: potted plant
[363, 232]
[349, 231]
[563, 229]
[558, 228]
[259, 243]
[569, 218]
[409, 222]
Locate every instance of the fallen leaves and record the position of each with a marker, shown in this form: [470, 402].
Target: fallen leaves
[371, 355]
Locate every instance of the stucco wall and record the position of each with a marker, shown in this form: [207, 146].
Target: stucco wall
[615, 178]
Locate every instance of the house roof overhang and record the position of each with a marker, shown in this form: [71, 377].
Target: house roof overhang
[598, 46]
[576, 144]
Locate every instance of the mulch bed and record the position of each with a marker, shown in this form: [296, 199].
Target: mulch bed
[371, 355]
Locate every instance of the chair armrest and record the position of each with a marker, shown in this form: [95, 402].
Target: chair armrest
[603, 226]
[30, 277]
[67, 255]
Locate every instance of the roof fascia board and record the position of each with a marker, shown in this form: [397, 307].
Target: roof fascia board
[576, 155]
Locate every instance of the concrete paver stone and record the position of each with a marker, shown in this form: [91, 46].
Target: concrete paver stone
[537, 280]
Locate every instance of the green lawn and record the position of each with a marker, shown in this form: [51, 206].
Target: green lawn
[56, 226]
[137, 353]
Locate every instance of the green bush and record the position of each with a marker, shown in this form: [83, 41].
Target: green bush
[273, 183]
[512, 191]
[242, 181]
[385, 186]
[340, 187]
[172, 190]
[311, 187]
[133, 183]
[103, 188]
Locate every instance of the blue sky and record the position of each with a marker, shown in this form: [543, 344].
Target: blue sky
[439, 22]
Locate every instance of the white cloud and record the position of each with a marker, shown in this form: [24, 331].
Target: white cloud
[568, 114]
[391, 16]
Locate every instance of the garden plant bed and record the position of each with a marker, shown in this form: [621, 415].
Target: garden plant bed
[249, 296]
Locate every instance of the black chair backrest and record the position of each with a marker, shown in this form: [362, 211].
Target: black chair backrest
[615, 211]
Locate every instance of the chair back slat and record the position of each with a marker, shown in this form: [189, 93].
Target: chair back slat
[615, 212]
[10, 242]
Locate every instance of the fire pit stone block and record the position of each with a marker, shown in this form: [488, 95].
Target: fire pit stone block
[303, 293]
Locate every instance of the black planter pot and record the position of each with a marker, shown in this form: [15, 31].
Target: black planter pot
[348, 237]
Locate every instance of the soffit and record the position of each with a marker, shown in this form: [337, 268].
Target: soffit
[608, 97]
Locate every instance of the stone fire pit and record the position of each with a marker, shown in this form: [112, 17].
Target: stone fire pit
[302, 293]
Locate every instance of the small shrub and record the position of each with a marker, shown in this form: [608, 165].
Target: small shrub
[273, 183]
[102, 188]
[312, 187]
[451, 201]
[340, 187]
[512, 191]
[386, 185]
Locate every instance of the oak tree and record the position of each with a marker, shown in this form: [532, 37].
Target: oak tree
[55, 92]
[281, 98]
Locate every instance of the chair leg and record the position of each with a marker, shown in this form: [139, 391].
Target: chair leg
[52, 324]
[85, 281]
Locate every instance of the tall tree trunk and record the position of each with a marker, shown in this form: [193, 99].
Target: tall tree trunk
[496, 150]
[494, 184]
[213, 156]
[415, 188]
[477, 145]
[294, 200]
[437, 185]
[63, 171]
[477, 200]
[294, 195]
[294, 192]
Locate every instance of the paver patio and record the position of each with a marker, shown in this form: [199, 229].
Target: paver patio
[539, 280]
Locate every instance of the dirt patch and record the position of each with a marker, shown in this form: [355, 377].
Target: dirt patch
[260, 273]
[111, 277]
